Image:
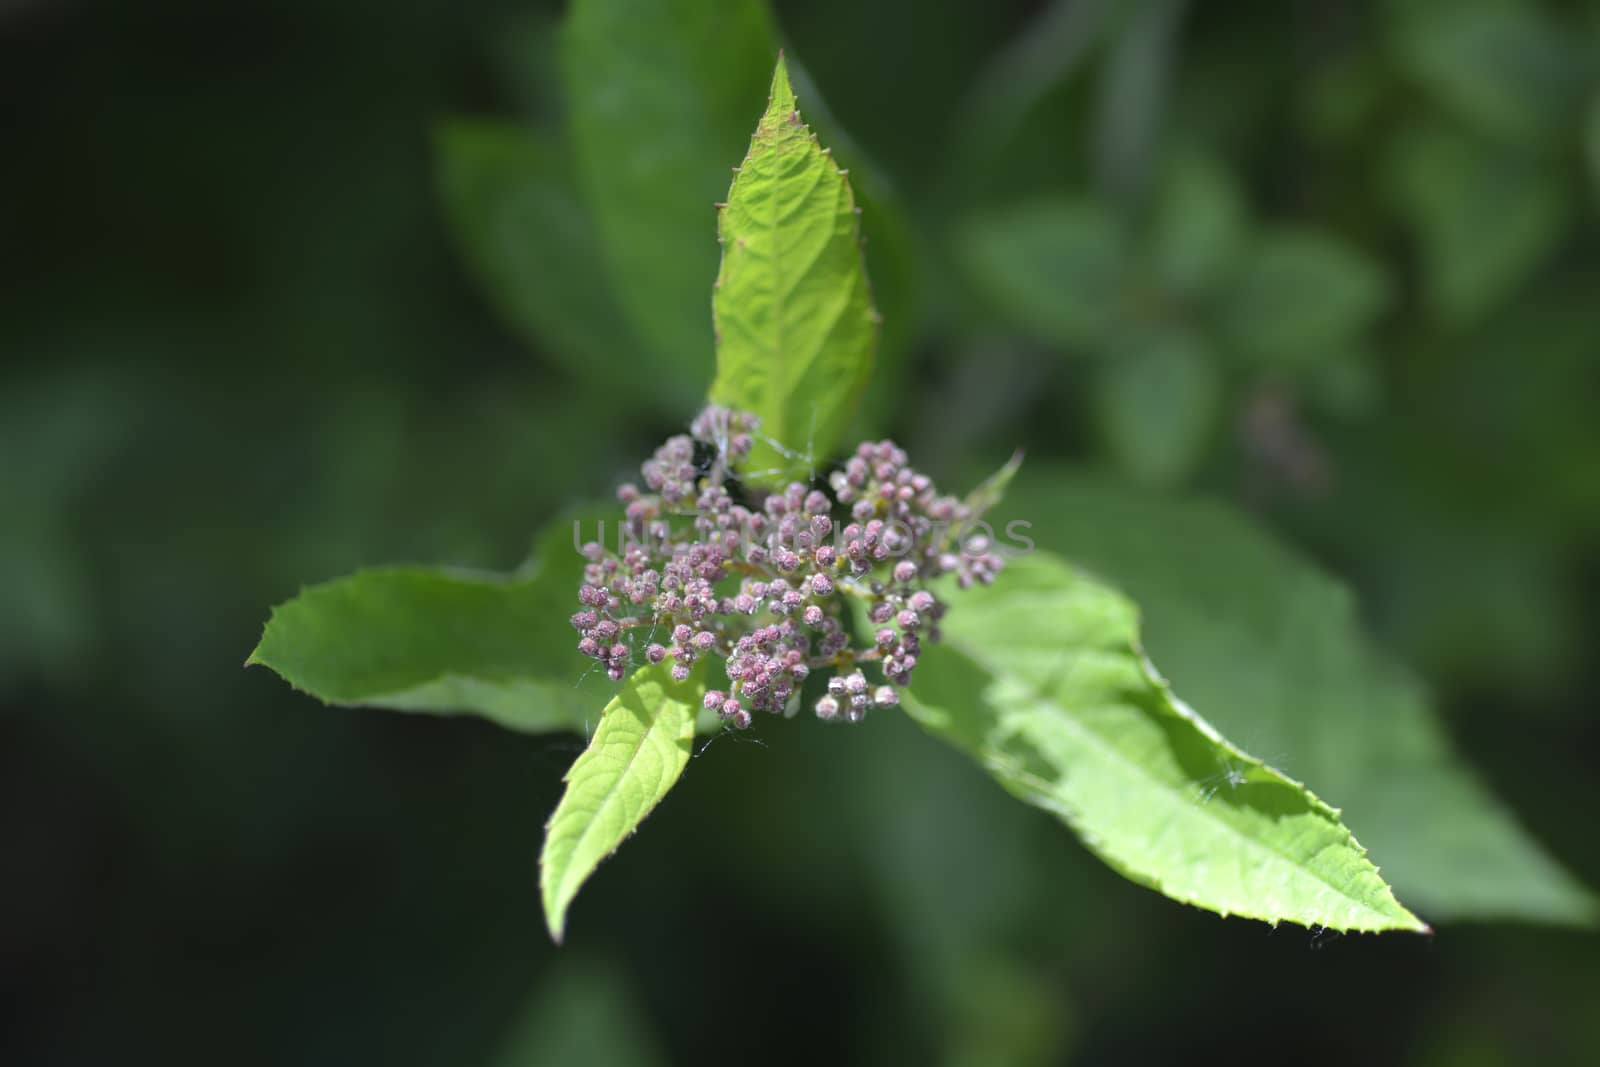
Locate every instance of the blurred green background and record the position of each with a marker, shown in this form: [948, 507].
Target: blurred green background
[289, 289]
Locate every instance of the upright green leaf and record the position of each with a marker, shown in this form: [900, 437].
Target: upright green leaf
[636, 755]
[1271, 650]
[890, 242]
[443, 641]
[794, 319]
[661, 94]
[513, 204]
[1133, 91]
[1041, 677]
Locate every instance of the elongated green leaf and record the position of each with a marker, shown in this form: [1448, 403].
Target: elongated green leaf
[448, 642]
[661, 96]
[1133, 89]
[513, 203]
[992, 490]
[794, 317]
[1057, 268]
[1044, 53]
[636, 755]
[891, 249]
[1270, 650]
[1041, 677]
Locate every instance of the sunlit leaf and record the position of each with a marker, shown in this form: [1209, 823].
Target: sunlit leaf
[794, 317]
[635, 756]
[443, 641]
[1042, 679]
[1269, 649]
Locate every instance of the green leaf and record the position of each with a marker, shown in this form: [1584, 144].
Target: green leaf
[794, 318]
[442, 641]
[585, 1011]
[1046, 52]
[661, 96]
[1506, 67]
[890, 243]
[513, 206]
[1301, 296]
[1133, 91]
[1157, 396]
[1271, 650]
[636, 755]
[992, 489]
[1056, 268]
[1199, 226]
[1591, 143]
[1041, 677]
[1486, 218]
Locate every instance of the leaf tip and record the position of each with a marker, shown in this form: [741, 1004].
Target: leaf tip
[554, 900]
[782, 94]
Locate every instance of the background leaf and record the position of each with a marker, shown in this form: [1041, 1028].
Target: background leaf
[1507, 68]
[590, 1015]
[1132, 97]
[661, 98]
[1199, 226]
[1591, 144]
[636, 755]
[1040, 676]
[1055, 267]
[1300, 296]
[1269, 649]
[1157, 394]
[448, 642]
[1485, 218]
[794, 317]
[514, 207]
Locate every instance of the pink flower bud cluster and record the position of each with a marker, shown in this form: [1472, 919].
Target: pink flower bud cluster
[709, 566]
